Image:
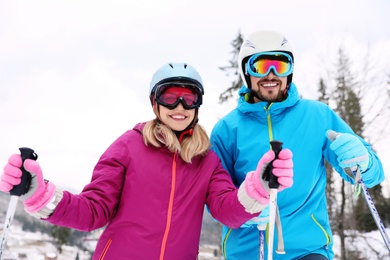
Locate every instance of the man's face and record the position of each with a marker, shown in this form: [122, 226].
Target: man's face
[269, 88]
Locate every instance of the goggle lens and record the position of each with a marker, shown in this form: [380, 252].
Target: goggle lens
[263, 66]
[260, 65]
[171, 94]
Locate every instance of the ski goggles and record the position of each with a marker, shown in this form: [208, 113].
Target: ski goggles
[171, 94]
[260, 65]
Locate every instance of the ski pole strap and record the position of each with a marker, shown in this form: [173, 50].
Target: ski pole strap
[355, 174]
[280, 249]
[357, 187]
[262, 228]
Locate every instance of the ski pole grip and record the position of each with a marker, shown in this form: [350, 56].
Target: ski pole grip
[268, 175]
[332, 135]
[22, 187]
[273, 180]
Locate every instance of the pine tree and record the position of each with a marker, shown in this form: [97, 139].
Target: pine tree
[60, 235]
[232, 69]
[349, 214]
[348, 107]
[330, 187]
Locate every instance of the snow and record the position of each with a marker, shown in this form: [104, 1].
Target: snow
[38, 246]
[371, 245]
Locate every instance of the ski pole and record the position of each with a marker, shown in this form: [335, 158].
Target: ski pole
[273, 185]
[374, 212]
[332, 135]
[261, 239]
[16, 192]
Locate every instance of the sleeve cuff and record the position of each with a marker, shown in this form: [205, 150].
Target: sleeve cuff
[46, 211]
[251, 205]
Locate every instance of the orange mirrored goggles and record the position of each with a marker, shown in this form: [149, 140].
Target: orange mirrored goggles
[261, 64]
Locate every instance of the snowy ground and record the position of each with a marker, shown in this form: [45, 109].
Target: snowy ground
[371, 246]
[37, 246]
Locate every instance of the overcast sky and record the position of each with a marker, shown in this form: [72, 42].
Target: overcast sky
[74, 75]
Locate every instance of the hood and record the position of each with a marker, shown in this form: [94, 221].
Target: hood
[139, 126]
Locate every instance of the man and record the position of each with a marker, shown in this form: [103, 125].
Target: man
[270, 108]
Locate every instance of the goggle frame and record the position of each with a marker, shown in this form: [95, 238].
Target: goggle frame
[194, 88]
[255, 57]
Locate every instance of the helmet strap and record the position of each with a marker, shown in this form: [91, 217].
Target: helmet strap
[285, 91]
[190, 128]
[156, 108]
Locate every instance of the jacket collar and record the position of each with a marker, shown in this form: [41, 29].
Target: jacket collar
[259, 108]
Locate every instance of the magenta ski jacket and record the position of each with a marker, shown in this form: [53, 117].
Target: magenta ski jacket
[150, 201]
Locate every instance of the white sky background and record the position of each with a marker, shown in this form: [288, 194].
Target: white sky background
[74, 75]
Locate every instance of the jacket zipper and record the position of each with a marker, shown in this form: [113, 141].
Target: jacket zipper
[269, 122]
[170, 209]
[269, 125]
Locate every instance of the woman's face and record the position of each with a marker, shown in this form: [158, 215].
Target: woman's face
[178, 118]
[176, 103]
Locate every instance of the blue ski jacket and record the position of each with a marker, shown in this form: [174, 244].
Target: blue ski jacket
[242, 137]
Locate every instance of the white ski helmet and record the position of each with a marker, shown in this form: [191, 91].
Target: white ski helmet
[262, 41]
[175, 72]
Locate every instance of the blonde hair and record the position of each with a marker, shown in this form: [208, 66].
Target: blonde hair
[157, 134]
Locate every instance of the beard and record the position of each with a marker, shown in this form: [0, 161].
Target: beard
[269, 96]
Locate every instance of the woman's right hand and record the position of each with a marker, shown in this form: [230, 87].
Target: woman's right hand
[12, 174]
[39, 193]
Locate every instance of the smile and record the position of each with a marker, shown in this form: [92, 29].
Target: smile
[178, 117]
[269, 85]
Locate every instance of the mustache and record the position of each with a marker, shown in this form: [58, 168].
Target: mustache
[269, 80]
[263, 81]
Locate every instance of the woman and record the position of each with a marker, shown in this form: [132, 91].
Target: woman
[150, 186]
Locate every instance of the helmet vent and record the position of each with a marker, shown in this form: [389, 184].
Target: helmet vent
[284, 41]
